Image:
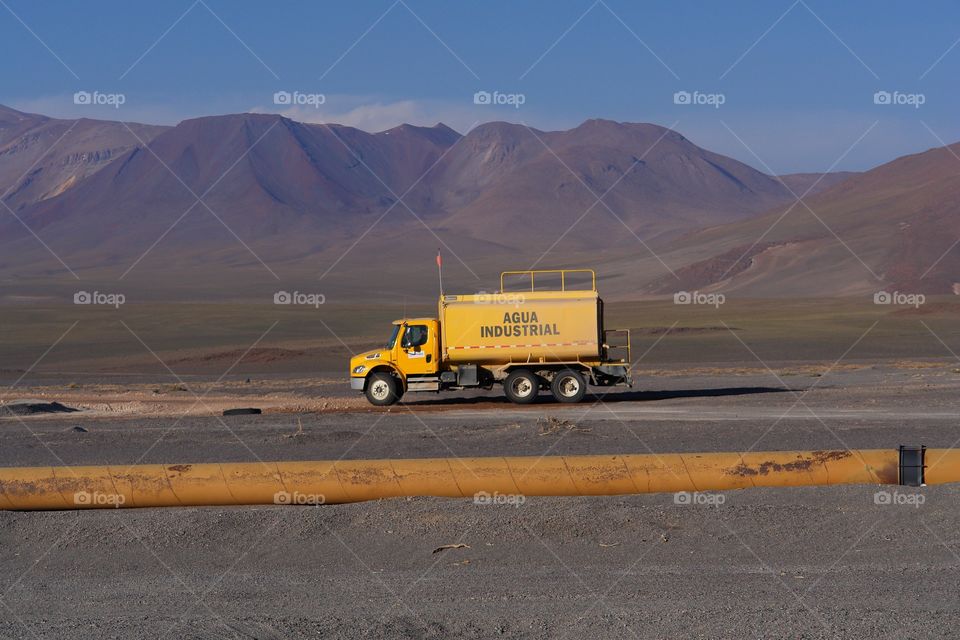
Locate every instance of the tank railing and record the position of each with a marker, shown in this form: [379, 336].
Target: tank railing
[563, 277]
[622, 345]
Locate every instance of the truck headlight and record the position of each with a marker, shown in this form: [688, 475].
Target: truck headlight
[359, 368]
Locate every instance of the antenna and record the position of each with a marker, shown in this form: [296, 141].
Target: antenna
[440, 271]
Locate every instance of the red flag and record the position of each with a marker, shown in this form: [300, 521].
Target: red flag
[439, 260]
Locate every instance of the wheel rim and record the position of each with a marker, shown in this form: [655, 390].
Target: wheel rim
[380, 390]
[522, 387]
[569, 386]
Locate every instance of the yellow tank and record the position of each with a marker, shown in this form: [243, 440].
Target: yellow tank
[535, 326]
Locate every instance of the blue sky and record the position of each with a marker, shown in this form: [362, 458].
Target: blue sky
[796, 79]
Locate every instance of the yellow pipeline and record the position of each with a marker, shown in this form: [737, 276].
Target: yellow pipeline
[250, 483]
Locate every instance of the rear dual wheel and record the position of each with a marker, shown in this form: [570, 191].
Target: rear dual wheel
[522, 386]
[568, 386]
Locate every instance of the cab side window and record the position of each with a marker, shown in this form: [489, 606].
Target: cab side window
[415, 336]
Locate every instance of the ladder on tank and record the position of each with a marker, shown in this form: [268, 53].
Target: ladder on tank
[618, 342]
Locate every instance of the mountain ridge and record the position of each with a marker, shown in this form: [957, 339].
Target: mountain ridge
[893, 227]
[305, 195]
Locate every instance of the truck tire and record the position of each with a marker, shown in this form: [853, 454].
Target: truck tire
[568, 386]
[382, 389]
[522, 386]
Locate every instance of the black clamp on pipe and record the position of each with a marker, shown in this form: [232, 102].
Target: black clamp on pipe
[911, 465]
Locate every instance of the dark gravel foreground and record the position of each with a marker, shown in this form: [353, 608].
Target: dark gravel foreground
[813, 562]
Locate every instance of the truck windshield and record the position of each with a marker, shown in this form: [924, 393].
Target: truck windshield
[393, 336]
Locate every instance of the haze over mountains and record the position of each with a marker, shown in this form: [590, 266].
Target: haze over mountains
[895, 227]
[41, 157]
[249, 198]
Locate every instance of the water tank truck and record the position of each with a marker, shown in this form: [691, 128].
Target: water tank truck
[527, 340]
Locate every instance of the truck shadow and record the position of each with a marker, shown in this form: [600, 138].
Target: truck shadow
[649, 396]
[609, 397]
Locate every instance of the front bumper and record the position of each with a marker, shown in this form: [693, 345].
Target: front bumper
[357, 383]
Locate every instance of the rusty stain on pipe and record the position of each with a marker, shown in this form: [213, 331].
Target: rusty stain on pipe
[342, 481]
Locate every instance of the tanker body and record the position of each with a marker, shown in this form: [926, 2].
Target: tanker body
[527, 341]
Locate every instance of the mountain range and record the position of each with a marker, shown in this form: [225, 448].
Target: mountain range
[223, 203]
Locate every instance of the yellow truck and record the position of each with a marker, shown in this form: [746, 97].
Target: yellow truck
[526, 340]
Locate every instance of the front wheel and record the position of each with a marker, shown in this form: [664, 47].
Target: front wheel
[382, 389]
[522, 386]
[568, 386]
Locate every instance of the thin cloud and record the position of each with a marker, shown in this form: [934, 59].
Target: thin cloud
[381, 115]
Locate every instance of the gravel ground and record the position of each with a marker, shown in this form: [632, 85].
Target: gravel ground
[819, 562]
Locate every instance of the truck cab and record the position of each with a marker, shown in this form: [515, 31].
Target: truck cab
[412, 352]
